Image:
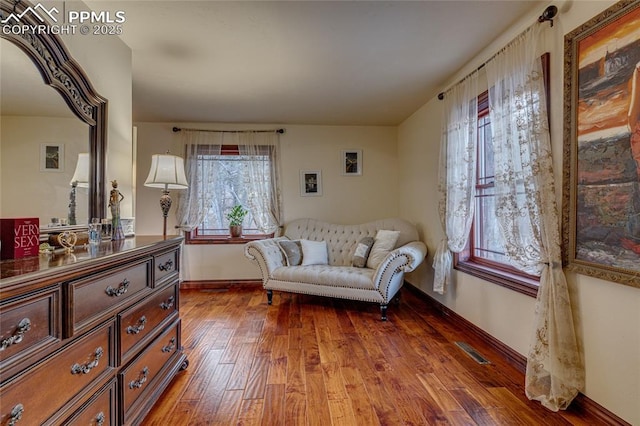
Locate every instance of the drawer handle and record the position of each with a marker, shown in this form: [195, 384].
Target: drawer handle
[16, 415]
[100, 419]
[116, 292]
[135, 329]
[142, 378]
[23, 326]
[171, 346]
[88, 366]
[166, 266]
[168, 304]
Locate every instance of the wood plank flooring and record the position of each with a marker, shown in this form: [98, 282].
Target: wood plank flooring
[316, 361]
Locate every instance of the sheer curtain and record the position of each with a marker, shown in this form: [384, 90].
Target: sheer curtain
[201, 176]
[263, 178]
[528, 216]
[457, 174]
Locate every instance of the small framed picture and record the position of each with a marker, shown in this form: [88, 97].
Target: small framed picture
[310, 183]
[52, 157]
[352, 162]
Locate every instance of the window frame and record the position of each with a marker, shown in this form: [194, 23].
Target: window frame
[193, 237]
[495, 272]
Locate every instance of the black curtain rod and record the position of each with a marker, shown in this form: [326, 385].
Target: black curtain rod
[549, 13]
[281, 131]
[441, 94]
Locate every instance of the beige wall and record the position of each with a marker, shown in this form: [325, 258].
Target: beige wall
[345, 199]
[607, 314]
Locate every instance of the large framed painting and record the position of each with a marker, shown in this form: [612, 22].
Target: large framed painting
[601, 197]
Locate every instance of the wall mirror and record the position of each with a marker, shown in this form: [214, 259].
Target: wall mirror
[41, 123]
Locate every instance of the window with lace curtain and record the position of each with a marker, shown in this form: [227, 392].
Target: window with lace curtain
[232, 170]
[485, 255]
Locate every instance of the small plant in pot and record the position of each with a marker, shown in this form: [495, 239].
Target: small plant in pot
[236, 217]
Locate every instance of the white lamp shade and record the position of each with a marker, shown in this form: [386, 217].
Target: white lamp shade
[81, 175]
[167, 171]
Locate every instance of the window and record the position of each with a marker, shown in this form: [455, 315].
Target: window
[485, 255]
[226, 176]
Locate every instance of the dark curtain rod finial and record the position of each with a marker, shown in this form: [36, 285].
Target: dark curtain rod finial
[548, 14]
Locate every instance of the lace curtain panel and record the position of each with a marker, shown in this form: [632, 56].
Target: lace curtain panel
[260, 177]
[457, 174]
[528, 215]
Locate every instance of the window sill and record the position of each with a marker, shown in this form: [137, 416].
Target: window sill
[223, 239]
[513, 281]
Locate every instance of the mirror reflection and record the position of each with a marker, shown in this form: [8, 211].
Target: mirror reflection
[40, 143]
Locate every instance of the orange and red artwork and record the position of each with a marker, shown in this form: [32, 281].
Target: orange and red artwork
[607, 150]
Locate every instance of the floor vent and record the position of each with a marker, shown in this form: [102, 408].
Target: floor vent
[472, 353]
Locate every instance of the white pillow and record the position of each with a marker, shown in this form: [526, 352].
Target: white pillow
[385, 242]
[314, 252]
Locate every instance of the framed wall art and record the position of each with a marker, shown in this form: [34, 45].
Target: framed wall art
[311, 183]
[51, 157]
[601, 185]
[352, 162]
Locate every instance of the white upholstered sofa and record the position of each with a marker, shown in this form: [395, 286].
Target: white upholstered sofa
[378, 281]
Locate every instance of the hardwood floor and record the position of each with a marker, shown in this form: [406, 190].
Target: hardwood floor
[316, 361]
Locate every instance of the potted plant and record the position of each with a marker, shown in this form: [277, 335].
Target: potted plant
[236, 216]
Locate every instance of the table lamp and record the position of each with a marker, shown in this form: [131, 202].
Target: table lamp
[167, 172]
[80, 179]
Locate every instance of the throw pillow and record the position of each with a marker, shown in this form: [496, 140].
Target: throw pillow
[361, 254]
[292, 252]
[314, 252]
[385, 242]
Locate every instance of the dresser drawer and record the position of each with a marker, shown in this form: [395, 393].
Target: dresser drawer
[99, 411]
[141, 320]
[165, 265]
[94, 299]
[138, 377]
[55, 382]
[30, 328]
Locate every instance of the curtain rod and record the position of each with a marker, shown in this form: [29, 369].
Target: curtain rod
[549, 13]
[281, 131]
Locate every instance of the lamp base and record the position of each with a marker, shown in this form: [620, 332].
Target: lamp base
[165, 206]
[72, 204]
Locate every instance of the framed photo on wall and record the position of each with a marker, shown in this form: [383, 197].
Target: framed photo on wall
[311, 183]
[601, 185]
[352, 162]
[52, 157]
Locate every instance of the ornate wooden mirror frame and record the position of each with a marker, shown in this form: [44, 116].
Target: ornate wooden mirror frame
[60, 71]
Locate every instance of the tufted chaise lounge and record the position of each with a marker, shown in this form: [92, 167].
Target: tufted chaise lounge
[339, 278]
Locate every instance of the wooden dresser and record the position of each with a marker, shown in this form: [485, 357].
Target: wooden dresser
[91, 337]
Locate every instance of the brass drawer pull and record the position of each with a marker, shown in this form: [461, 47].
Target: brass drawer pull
[135, 329]
[142, 378]
[171, 346]
[23, 326]
[88, 366]
[122, 289]
[166, 266]
[100, 419]
[16, 415]
[168, 304]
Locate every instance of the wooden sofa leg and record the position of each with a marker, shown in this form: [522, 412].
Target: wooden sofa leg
[269, 297]
[383, 312]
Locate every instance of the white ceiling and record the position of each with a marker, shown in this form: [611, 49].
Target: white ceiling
[301, 62]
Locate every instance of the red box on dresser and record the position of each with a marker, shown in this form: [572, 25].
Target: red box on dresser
[20, 237]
